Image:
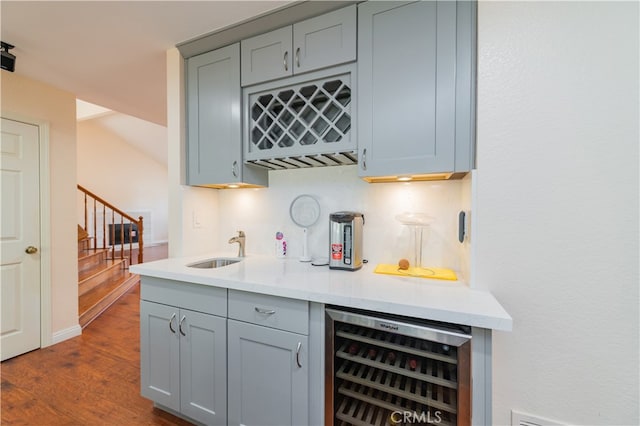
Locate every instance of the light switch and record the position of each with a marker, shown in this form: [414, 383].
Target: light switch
[196, 220]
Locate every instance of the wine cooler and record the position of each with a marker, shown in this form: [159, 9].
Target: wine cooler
[392, 370]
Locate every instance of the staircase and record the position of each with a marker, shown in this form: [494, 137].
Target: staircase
[101, 280]
[105, 250]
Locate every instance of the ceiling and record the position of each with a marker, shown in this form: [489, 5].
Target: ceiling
[112, 53]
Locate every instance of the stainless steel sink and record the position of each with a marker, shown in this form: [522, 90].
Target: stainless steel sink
[213, 263]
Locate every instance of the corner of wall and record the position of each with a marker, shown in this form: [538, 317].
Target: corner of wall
[192, 211]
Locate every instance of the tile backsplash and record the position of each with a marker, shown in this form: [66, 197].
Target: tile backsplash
[263, 212]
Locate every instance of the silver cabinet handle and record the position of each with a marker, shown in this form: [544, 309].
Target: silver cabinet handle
[170, 321]
[298, 354]
[180, 325]
[298, 57]
[364, 159]
[264, 311]
[286, 56]
[234, 169]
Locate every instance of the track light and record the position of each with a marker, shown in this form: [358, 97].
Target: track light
[8, 60]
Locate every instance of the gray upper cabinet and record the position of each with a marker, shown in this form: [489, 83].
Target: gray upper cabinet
[415, 88]
[267, 56]
[214, 132]
[327, 40]
[315, 43]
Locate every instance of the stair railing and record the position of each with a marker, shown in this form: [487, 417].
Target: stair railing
[102, 209]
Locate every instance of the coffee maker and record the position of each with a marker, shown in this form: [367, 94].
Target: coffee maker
[345, 240]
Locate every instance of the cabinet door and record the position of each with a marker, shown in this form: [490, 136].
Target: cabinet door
[214, 137]
[324, 41]
[267, 56]
[203, 367]
[406, 87]
[268, 376]
[160, 354]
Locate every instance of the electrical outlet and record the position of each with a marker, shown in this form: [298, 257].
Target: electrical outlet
[521, 419]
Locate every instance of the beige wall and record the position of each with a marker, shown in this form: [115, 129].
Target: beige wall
[126, 177]
[34, 100]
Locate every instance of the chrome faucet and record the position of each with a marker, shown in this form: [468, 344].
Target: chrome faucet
[240, 239]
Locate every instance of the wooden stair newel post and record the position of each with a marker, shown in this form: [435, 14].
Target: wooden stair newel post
[140, 239]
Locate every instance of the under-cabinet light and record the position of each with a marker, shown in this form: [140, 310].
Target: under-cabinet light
[231, 185]
[413, 178]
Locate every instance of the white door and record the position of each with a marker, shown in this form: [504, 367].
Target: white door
[19, 239]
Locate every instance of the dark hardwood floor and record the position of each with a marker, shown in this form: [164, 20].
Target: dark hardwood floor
[92, 379]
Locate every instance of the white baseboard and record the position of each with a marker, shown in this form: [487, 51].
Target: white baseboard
[156, 243]
[135, 245]
[66, 334]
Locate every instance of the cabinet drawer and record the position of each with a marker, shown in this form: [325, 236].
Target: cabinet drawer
[270, 311]
[197, 297]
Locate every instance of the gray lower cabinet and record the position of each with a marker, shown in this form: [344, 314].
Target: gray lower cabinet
[214, 132]
[183, 361]
[268, 376]
[415, 87]
[218, 356]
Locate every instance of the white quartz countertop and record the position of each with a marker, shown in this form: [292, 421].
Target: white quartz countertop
[440, 300]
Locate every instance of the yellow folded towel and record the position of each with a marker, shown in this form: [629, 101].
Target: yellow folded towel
[435, 273]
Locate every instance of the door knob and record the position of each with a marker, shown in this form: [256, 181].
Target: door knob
[31, 250]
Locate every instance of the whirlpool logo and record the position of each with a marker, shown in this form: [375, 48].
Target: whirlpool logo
[386, 326]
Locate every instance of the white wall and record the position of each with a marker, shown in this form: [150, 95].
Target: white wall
[184, 201]
[557, 229]
[35, 100]
[262, 212]
[113, 169]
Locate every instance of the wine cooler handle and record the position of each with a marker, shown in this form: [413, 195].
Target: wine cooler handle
[298, 354]
[170, 321]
